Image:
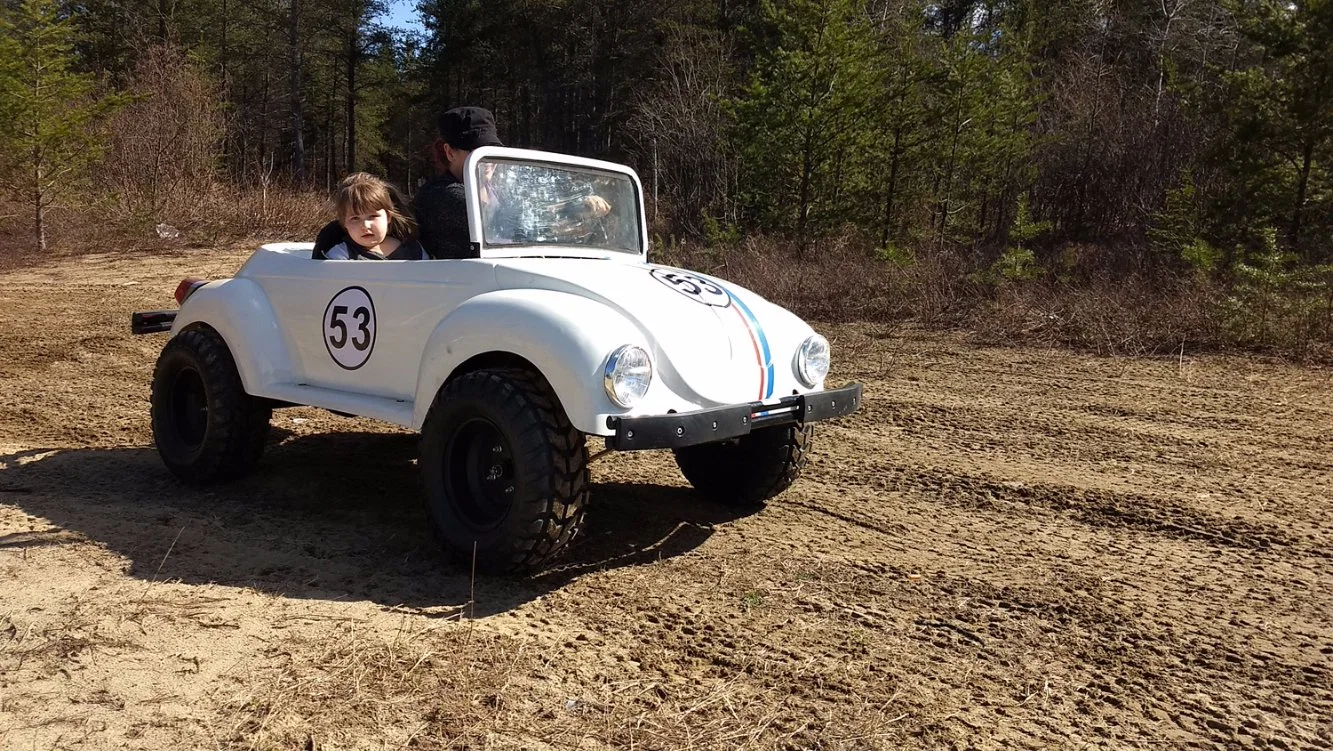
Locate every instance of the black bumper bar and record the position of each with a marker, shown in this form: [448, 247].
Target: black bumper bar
[721, 423]
[152, 321]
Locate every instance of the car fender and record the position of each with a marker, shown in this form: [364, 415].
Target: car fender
[565, 336]
[240, 312]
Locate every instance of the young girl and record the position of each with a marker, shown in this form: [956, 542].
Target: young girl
[376, 228]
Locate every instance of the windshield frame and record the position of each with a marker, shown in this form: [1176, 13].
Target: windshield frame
[544, 250]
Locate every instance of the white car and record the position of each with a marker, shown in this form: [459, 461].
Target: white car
[559, 330]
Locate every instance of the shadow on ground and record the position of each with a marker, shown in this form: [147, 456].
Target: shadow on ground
[332, 516]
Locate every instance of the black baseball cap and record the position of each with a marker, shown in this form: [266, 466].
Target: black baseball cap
[468, 128]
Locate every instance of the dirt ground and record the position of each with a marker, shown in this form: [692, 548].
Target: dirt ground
[1005, 548]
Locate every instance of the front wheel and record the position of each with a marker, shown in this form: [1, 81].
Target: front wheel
[206, 427]
[505, 473]
[749, 470]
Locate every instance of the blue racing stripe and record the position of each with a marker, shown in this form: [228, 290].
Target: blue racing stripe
[763, 340]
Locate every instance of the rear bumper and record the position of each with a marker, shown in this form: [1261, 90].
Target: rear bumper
[152, 321]
[733, 421]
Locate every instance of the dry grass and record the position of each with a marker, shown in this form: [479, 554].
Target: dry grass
[438, 687]
[449, 687]
[837, 281]
[30, 647]
[1129, 316]
[1104, 307]
[1101, 305]
[223, 217]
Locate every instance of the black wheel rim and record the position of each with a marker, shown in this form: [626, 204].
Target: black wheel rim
[189, 408]
[479, 474]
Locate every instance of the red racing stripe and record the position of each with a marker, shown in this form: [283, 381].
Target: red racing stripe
[755, 342]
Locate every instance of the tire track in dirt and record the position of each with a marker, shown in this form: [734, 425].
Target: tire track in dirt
[1093, 507]
[1110, 639]
[1219, 660]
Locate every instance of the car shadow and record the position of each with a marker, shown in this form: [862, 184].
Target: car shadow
[333, 516]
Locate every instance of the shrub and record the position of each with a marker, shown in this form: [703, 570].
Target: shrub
[164, 146]
[1274, 304]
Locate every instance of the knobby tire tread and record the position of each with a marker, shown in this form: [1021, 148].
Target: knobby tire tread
[548, 444]
[750, 471]
[238, 424]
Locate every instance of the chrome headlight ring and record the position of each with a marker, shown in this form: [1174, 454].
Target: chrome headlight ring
[627, 375]
[812, 361]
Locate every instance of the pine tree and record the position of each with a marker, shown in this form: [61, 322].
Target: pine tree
[1281, 111]
[908, 75]
[805, 111]
[48, 113]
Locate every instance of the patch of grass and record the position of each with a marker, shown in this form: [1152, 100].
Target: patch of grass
[753, 599]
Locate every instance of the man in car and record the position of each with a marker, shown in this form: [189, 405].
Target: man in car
[441, 204]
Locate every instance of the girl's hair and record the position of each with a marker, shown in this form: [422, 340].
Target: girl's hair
[363, 193]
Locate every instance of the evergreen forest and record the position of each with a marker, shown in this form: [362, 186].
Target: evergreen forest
[1130, 175]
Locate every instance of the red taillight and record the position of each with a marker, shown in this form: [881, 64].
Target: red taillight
[187, 287]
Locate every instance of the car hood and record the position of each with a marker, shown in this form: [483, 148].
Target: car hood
[711, 340]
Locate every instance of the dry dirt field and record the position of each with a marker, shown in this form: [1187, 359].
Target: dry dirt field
[1007, 548]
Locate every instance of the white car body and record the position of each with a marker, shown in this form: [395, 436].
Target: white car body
[712, 343]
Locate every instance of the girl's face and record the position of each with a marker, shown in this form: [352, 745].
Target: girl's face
[367, 229]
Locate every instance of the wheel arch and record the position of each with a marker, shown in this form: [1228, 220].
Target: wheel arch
[239, 312]
[562, 337]
[493, 360]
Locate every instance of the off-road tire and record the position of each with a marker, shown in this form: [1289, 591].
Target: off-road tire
[749, 470]
[206, 427]
[542, 460]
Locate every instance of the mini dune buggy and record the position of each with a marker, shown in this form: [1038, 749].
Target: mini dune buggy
[559, 330]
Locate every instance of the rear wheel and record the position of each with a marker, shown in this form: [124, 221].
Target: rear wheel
[749, 470]
[206, 427]
[504, 471]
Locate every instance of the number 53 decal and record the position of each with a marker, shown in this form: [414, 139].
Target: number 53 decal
[349, 327]
[693, 286]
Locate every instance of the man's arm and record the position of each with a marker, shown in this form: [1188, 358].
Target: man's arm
[441, 209]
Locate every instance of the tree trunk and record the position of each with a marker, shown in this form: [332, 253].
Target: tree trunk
[223, 56]
[893, 185]
[39, 208]
[329, 158]
[807, 176]
[837, 179]
[263, 123]
[351, 61]
[525, 118]
[228, 135]
[1302, 186]
[164, 11]
[953, 160]
[294, 90]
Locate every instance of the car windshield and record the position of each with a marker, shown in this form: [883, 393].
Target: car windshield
[534, 204]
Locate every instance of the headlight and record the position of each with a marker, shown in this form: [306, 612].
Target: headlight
[812, 360]
[628, 374]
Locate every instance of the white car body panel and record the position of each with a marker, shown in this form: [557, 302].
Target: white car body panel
[712, 343]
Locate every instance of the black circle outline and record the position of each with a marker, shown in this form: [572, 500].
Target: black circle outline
[697, 298]
[373, 317]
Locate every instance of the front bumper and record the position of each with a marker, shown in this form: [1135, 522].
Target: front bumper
[721, 423]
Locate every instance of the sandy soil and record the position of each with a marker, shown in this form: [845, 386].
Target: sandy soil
[1005, 548]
